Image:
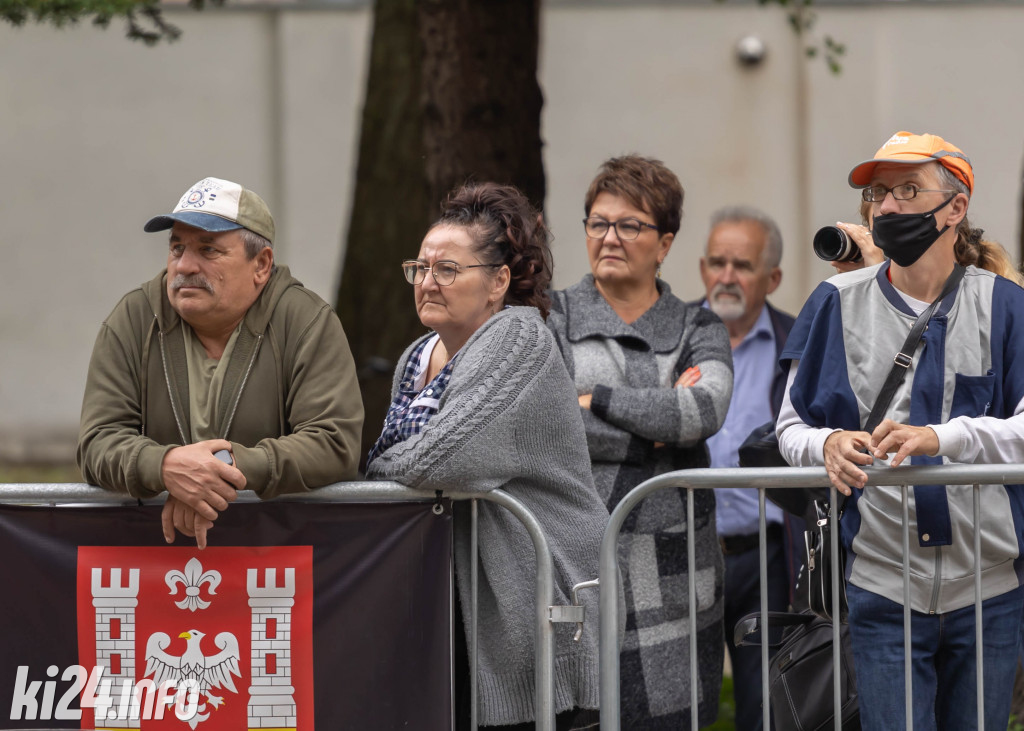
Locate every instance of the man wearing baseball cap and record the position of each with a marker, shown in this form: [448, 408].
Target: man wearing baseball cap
[960, 401]
[222, 373]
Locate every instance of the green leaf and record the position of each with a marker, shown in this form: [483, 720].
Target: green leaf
[144, 18]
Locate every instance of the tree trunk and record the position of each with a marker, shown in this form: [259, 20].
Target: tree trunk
[452, 95]
[481, 98]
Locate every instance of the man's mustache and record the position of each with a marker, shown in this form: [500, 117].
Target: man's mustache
[195, 280]
[733, 290]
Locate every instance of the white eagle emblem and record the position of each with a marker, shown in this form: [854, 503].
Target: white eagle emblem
[193, 668]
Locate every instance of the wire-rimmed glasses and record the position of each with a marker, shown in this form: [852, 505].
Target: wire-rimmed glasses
[901, 192]
[443, 271]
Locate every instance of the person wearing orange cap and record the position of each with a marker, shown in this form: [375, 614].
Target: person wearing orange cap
[960, 400]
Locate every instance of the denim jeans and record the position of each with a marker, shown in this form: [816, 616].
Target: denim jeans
[943, 659]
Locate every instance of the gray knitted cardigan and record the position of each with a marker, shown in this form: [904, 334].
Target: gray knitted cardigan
[630, 370]
[509, 419]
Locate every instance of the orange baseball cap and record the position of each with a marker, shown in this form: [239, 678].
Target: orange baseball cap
[906, 147]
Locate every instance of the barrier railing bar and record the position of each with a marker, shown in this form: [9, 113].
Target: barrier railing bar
[908, 674]
[78, 493]
[762, 535]
[691, 585]
[775, 477]
[72, 494]
[978, 636]
[473, 589]
[837, 698]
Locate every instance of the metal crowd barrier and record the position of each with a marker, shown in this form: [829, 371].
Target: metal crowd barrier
[366, 492]
[778, 478]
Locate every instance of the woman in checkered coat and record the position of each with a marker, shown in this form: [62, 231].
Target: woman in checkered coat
[653, 377]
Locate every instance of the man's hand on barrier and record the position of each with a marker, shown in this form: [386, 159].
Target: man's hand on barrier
[195, 477]
[905, 440]
[844, 452]
[177, 515]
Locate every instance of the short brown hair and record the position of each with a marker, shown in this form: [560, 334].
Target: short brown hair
[646, 183]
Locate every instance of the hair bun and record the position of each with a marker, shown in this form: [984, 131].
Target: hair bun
[507, 230]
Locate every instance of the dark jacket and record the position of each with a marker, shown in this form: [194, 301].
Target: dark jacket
[781, 325]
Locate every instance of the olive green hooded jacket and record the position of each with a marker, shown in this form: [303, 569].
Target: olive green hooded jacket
[290, 402]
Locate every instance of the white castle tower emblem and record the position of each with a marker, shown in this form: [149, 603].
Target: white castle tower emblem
[271, 695]
[115, 634]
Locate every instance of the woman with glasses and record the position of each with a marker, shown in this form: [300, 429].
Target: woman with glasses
[653, 377]
[481, 402]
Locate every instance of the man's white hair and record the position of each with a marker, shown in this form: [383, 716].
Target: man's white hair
[741, 214]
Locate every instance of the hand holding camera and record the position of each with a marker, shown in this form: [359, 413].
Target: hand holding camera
[847, 246]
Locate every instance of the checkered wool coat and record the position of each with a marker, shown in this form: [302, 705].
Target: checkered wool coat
[630, 370]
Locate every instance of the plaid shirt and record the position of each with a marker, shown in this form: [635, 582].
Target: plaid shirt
[414, 404]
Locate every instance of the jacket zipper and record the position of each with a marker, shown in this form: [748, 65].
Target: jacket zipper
[936, 581]
[241, 387]
[143, 392]
[170, 392]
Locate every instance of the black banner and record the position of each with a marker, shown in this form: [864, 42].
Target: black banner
[297, 616]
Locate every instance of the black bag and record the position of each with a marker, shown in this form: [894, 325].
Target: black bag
[761, 448]
[818, 541]
[800, 672]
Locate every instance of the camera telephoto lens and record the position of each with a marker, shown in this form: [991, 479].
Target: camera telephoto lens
[831, 243]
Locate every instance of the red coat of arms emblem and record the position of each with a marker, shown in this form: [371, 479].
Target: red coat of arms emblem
[217, 639]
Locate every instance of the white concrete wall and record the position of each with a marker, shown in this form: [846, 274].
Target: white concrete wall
[97, 134]
[662, 80]
[782, 136]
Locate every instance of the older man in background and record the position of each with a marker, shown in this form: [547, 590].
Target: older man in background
[740, 268]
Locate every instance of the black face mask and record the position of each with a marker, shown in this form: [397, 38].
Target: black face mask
[904, 237]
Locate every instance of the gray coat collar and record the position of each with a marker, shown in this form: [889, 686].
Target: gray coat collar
[589, 315]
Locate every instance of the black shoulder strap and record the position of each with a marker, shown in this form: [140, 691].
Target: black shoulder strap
[904, 358]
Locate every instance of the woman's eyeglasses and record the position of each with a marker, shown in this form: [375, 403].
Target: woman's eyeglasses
[444, 271]
[626, 229]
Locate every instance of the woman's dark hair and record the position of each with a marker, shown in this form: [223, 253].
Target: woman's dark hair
[646, 184]
[506, 229]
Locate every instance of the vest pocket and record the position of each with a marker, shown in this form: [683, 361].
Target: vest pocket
[972, 395]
